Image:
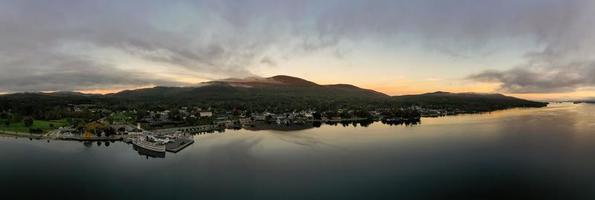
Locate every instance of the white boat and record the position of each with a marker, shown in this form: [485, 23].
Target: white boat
[149, 143]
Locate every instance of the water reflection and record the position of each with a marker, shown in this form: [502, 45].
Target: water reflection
[402, 122]
[317, 124]
[540, 153]
[362, 123]
[291, 133]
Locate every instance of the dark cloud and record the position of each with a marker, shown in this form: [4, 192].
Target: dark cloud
[268, 61]
[69, 74]
[66, 44]
[541, 80]
[35, 38]
[566, 61]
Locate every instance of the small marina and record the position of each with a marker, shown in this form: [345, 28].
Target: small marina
[178, 145]
[160, 143]
[153, 143]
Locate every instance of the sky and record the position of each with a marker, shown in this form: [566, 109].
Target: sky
[536, 49]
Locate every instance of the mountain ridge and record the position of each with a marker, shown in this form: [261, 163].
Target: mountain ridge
[280, 90]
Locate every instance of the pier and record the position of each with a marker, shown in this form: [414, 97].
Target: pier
[188, 129]
[178, 145]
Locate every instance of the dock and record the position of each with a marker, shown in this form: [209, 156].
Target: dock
[188, 129]
[178, 145]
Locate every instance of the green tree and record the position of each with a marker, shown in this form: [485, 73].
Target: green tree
[110, 131]
[317, 116]
[175, 115]
[28, 121]
[7, 118]
[17, 118]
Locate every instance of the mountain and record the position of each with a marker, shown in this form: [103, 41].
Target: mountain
[275, 81]
[277, 92]
[279, 80]
[467, 101]
[291, 92]
[282, 88]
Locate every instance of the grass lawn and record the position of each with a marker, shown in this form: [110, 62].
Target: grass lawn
[41, 124]
[122, 117]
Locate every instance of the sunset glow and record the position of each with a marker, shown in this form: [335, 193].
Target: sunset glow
[534, 49]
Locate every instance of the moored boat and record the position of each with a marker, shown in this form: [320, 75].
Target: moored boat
[149, 143]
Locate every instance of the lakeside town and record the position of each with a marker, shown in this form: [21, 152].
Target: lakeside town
[159, 120]
[171, 130]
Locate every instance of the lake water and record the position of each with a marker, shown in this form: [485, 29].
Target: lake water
[519, 153]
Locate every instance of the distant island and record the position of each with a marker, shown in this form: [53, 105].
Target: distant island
[231, 103]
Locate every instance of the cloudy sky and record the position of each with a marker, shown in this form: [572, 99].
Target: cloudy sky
[537, 49]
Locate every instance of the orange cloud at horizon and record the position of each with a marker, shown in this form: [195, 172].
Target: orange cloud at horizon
[111, 90]
[580, 94]
[407, 87]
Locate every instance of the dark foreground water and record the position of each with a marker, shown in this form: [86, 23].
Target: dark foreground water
[545, 153]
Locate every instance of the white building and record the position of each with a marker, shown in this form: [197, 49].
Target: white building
[206, 114]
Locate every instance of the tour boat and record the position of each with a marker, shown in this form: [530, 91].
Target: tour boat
[149, 143]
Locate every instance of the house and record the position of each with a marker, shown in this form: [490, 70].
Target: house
[258, 117]
[123, 129]
[245, 121]
[205, 114]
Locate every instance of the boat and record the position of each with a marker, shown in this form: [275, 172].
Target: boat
[149, 143]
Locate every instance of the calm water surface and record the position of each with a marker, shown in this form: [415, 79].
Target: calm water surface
[521, 153]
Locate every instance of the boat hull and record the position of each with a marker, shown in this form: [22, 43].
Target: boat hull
[149, 153]
[148, 146]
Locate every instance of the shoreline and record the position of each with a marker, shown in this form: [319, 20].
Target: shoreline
[23, 135]
[45, 136]
[49, 137]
